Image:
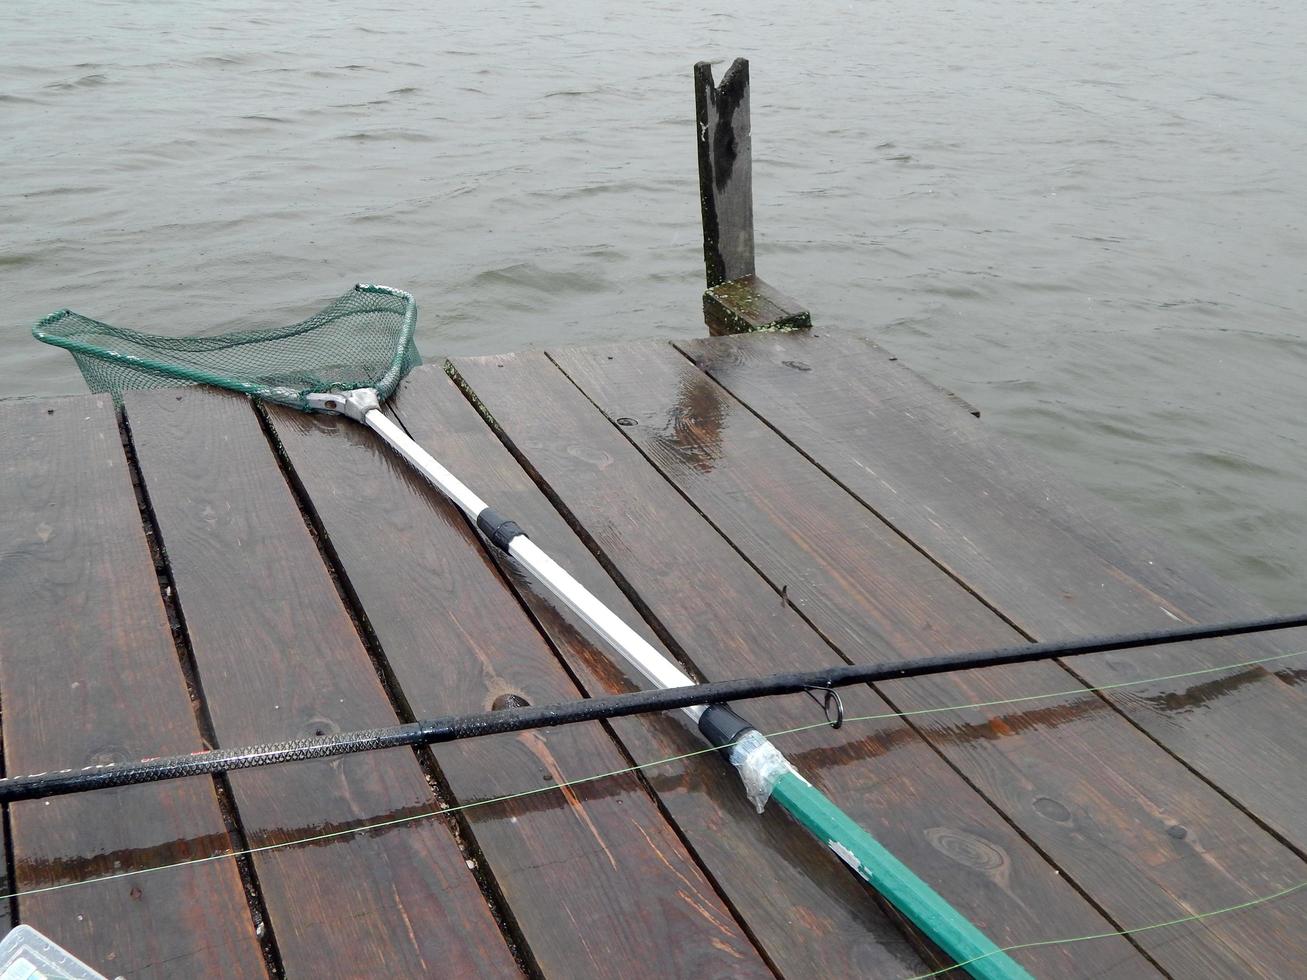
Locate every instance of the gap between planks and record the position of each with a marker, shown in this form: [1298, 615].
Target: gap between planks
[241, 556]
[263, 928]
[501, 563]
[442, 794]
[439, 576]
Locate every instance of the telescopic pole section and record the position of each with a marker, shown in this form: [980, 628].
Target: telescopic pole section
[651, 664]
[656, 668]
[763, 769]
[954, 933]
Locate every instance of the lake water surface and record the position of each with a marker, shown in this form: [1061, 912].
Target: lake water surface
[1086, 218]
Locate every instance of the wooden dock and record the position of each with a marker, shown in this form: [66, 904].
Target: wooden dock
[202, 571]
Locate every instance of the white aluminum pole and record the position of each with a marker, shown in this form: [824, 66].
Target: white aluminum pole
[444, 481]
[651, 664]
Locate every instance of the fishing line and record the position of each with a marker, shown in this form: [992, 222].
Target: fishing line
[1195, 917]
[640, 767]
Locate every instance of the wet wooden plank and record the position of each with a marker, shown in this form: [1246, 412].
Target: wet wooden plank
[278, 657]
[88, 673]
[1055, 558]
[764, 867]
[729, 622]
[594, 877]
[1144, 837]
[1050, 557]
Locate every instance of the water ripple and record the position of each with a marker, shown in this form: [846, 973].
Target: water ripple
[1082, 218]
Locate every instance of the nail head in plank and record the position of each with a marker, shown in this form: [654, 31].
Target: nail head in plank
[89, 674]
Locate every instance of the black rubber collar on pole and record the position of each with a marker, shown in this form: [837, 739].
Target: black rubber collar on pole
[498, 528]
[722, 727]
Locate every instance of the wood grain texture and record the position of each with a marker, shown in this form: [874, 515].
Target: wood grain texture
[595, 877]
[278, 657]
[89, 673]
[731, 623]
[725, 148]
[700, 793]
[1144, 837]
[1050, 557]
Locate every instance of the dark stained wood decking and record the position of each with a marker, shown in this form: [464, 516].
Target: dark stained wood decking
[750, 504]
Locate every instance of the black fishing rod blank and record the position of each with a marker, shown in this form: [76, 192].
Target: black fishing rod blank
[456, 727]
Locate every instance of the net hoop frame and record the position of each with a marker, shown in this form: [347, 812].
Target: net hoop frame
[284, 396]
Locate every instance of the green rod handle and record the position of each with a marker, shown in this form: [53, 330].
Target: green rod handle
[937, 919]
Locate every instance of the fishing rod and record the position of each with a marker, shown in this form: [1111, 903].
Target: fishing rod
[452, 728]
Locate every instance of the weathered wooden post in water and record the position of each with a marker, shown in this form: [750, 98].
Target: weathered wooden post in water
[737, 300]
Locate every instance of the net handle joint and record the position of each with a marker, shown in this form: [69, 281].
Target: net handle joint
[354, 404]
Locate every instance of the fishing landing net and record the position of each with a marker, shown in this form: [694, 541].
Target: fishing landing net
[362, 340]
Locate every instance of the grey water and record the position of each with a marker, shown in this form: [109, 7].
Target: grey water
[1086, 218]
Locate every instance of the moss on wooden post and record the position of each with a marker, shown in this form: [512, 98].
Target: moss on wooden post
[747, 304]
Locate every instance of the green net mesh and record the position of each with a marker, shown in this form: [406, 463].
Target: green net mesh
[362, 340]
